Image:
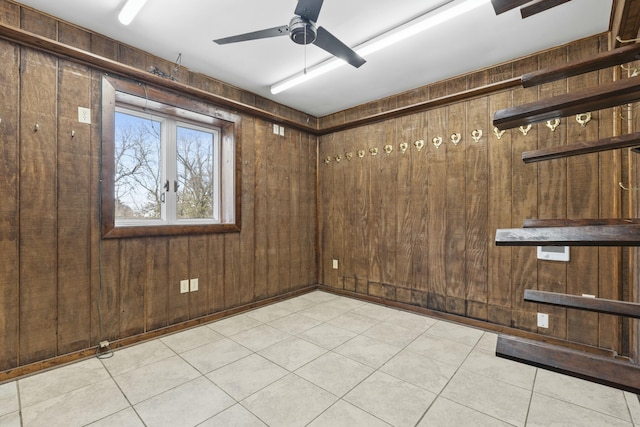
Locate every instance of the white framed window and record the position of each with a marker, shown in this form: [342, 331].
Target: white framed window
[166, 169]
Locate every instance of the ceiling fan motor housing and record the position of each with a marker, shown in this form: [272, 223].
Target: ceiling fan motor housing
[302, 31]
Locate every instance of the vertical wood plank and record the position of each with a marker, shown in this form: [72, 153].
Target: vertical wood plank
[74, 171]
[552, 199]
[437, 202]
[157, 286]
[361, 212]
[272, 217]
[260, 208]
[282, 214]
[375, 224]
[476, 207]
[178, 270]
[247, 235]
[9, 209]
[421, 210]
[38, 205]
[455, 199]
[216, 272]
[582, 196]
[9, 13]
[132, 282]
[351, 221]
[407, 132]
[388, 199]
[198, 260]
[500, 199]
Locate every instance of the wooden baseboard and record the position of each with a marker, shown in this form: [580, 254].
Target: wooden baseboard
[55, 362]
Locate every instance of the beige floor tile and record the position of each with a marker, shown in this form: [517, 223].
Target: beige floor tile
[633, 402]
[488, 342]
[343, 414]
[295, 304]
[335, 373]
[445, 413]
[187, 405]
[492, 397]
[292, 353]
[440, 349]
[215, 355]
[419, 370]
[354, 322]
[124, 418]
[134, 357]
[367, 350]
[290, 401]
[191, 338]
[327, 336]
[391, 399]
[416, 322]
[375, 311]
[504, 370]
[454, 332]
[244, 377]
[235, 416]
[50, 384]
[10, 420]
[324, 312]
[392, 334]
[76, 408]
[151, 380]
[268, 313]
[295, 323]
[546, 411]
[9, 398]
[234, 325]
[319, 296]
[260, 337]
[583, 393]
[346, 303]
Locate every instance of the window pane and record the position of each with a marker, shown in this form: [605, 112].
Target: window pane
[195, 160]
[137, 167]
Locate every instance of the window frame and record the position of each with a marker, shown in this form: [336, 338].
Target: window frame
[168, 103]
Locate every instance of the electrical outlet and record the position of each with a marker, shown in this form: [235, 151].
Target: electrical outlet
[281, 130]
[193, 285]
[276, 129]
[335, 264]
[84, 115]
[184, 286]
[543, 320]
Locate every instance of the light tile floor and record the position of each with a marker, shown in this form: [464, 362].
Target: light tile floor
[315, 360]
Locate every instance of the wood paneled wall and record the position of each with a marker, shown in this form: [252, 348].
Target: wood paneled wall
[55, 270]
[419, 227]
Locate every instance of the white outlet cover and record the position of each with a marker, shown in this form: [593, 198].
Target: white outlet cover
[543, 320]
[335, 264]
[276, 129]
[281, 130]
[84, 115]
[184, 286]
[193, 285]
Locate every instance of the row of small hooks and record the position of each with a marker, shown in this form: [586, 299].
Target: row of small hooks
[455, 139]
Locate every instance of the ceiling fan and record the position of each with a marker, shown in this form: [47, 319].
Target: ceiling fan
[302, 30]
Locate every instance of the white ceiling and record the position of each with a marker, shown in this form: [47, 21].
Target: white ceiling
[480, 39]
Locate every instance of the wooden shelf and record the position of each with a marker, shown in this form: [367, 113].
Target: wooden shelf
[611, 58]
[589, 235]
[590, 99]
[598, 305]
[591, 367]
[579, 148]
[563, 222]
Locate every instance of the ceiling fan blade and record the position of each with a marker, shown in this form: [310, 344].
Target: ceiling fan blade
[309, 9]
[262, 34]
[331, 44]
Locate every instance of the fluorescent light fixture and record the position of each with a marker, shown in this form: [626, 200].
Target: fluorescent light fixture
[396, 35]
[130, 10]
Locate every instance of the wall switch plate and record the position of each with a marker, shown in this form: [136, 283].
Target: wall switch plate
[335, 264]
[184, 286]
[281, 130]
[543, 320]
[193, 285]
[276, 129]
[84, 115]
